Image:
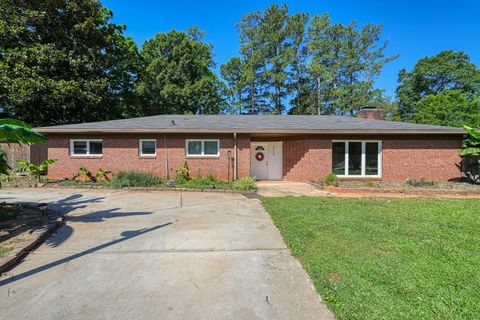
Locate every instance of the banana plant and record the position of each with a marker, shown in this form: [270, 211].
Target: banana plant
[33, 169]
[471, 145]
[16, 131]
[102, 174]
[84, 174]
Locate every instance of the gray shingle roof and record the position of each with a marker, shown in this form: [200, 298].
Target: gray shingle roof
[252, 124]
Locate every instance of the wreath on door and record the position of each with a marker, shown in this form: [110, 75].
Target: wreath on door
[259, 156]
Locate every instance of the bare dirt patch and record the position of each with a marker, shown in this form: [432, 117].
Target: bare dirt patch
[418, 188]
[17, 225]
[19, 181]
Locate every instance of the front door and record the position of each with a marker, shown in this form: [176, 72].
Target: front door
[267, 161]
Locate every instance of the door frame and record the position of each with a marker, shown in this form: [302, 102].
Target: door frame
[268, 144]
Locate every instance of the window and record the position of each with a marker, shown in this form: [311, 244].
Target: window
[148, 148]
[357, 158]
[205, 148]
[86, 147]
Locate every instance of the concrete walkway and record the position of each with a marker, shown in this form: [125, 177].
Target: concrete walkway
[287, 188]
[138, 255]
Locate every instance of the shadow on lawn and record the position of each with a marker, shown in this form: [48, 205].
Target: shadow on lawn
[124, 236]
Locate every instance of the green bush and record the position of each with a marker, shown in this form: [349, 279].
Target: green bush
[420, 182]
[209, 182]
[245, 184]
[331, 179]
[126, 179]
[182, 173]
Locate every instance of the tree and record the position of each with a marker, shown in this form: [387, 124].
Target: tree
[233, 73]
[177, 77]
[271, 55]
[344, 62]
[63, 61]
[253, 61]
[449, 108]
[281, 36]
[16, 131]
[447, 70]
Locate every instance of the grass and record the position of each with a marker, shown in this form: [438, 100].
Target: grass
[387, 258]
[4, 251]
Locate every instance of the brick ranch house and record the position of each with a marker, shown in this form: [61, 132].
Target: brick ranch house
[268, 147]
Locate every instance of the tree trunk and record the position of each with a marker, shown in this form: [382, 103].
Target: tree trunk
[277, 100]
[239, 101]
[252, 96]
[319, 105]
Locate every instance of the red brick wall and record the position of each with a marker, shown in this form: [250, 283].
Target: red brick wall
[121, 153]
[430, 159]
[309, 159]
[305, 158]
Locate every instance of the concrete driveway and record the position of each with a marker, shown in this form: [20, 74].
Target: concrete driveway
[138, 255]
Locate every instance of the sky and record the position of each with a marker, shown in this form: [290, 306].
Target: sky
[414, 29]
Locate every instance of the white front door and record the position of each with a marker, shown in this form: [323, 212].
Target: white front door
[267, 160]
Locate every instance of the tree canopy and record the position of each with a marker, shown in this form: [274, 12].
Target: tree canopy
[446, 85]
[63, 61]
[326, 68]
[177, 76]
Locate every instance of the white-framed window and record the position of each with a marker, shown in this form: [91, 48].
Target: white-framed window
[202, 147]
[86, 147]
[147, 147]
[357, 158]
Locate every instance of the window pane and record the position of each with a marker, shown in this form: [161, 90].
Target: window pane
[79, 147]
[371, 158]
[194, 147]
[96, 147]
[210, 147]
[338, 158]
[148, 147]
[354, 158]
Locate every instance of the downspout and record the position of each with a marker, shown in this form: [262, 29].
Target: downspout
[235, 162]
[166, 155]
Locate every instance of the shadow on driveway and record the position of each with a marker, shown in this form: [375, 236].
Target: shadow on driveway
[124, 236]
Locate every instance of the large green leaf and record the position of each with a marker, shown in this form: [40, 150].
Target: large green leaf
[470, 152]
[15, 122]
[44, 165]
[16, 131]
[473, 134]
[471, 145]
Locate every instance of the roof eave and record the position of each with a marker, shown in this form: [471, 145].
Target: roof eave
[458, 131]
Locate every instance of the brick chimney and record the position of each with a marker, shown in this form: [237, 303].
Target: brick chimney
[371, 113]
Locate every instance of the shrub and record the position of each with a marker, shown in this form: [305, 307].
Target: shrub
[126, 179]
[245, 184]
[208, 182]
[102, 175]
[84, 174]
[331, 179]
[182, 173]
[420, 182]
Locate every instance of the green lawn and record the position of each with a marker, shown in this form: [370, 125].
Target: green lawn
[387, 258]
